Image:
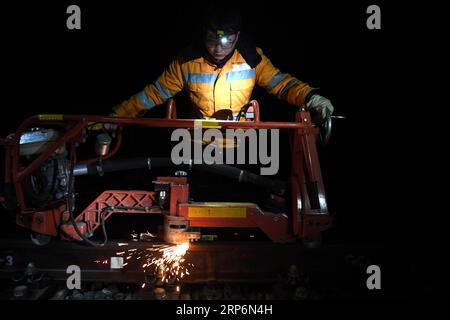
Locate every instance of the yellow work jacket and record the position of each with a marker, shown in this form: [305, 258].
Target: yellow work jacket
[211, 88]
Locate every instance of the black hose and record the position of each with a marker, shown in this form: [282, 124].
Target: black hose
[70, 206]
[242, 176]
[130, 164]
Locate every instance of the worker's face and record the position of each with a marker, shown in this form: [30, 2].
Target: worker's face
[220, 49]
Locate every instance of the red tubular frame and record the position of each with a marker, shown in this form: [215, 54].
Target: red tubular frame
[303, 220]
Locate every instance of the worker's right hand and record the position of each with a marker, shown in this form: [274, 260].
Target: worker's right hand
[321, 108]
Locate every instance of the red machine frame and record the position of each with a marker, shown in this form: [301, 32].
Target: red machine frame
[308, 217]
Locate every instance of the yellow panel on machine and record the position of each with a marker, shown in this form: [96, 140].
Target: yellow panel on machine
[227, 210]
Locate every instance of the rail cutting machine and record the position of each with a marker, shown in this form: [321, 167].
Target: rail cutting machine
[41, 161]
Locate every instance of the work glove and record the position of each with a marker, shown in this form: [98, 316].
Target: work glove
[319, 107]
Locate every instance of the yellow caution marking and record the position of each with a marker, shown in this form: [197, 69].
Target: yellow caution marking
[207, 124]
[50, 117]
[220, 212]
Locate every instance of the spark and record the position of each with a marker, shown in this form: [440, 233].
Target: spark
[164, 260]
[104, 261]
[170, 259]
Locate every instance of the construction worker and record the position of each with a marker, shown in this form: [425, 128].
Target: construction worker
[220, 71]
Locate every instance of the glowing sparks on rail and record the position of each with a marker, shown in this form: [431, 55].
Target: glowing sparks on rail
[167, 262]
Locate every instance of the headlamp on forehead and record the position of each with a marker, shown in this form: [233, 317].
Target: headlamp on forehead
[221, 37]
[224, 39]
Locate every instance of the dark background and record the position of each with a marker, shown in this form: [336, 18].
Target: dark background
[377, 185]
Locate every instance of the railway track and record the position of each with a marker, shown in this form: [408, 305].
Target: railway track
[334, 271]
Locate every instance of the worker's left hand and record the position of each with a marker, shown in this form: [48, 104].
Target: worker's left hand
[321, 108]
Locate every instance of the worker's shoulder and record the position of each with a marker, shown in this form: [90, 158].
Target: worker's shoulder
[249, 51]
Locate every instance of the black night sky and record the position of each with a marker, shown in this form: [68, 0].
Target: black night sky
[367, 74]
